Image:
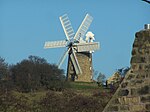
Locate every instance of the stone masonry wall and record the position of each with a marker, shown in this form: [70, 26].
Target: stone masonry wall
[85, 62]
[133, 94]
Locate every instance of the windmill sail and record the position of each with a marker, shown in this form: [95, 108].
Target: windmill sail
[66, 24]
[63, 58]
[55, 44]
[75, 62]
[83, 27]
[82, 47]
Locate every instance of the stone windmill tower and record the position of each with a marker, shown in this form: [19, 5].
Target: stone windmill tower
[79, 51]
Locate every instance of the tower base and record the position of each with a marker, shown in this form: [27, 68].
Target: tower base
[85, 62]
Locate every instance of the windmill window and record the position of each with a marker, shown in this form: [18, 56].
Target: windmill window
[90, 68]
[89, 59]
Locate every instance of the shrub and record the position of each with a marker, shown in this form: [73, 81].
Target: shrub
[81, 103]
[52, 103]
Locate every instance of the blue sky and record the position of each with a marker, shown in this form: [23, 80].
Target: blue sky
[26, 24]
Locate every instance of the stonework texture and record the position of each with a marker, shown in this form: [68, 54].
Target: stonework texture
[133, 94]
[85, 62]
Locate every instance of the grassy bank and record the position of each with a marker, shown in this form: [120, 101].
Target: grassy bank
[78, 96]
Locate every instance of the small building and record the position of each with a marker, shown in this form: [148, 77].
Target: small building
[116, 77]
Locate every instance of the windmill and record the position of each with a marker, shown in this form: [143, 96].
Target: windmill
[79, 51]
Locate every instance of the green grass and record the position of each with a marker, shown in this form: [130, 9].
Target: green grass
[83, 85]
[85, 88]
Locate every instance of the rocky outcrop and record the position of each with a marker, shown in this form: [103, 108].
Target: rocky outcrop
[133, 94]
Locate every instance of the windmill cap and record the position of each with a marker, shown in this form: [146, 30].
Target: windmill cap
[89, 34]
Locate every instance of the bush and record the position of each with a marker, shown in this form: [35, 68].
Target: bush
[52, 103]
[34, 73]
[9, 103]
[80, 103]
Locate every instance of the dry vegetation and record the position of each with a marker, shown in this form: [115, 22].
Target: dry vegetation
[78, 97]
[33, 85]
